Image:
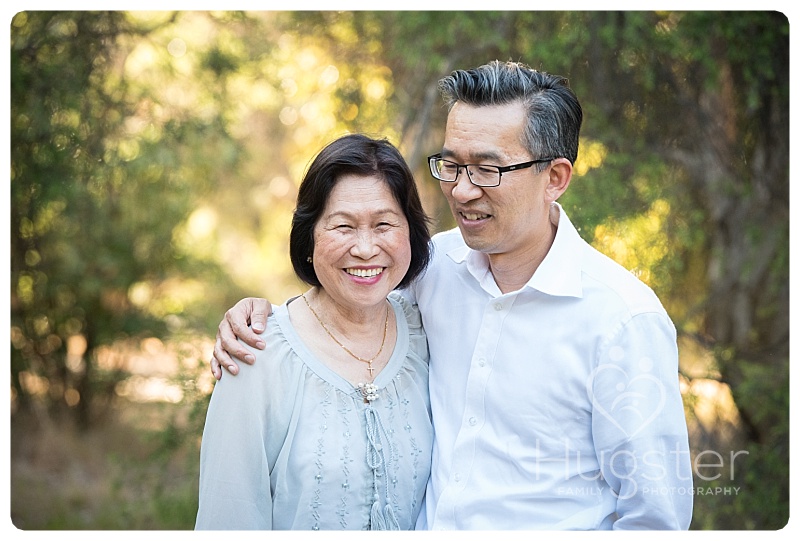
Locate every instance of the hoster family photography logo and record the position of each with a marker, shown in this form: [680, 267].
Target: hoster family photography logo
[631, 399]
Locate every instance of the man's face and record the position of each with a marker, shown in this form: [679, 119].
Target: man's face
[512, 218]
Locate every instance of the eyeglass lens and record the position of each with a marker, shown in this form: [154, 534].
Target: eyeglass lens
[488, 175]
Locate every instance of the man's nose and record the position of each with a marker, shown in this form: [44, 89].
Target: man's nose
[463, 189]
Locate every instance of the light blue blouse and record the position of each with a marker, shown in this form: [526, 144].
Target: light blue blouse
[290, 444]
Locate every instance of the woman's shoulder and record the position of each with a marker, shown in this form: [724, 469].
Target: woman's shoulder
[410, 311]
[277, 354]
[417, 340]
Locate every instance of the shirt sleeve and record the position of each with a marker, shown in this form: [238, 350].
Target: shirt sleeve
[639, 425]
[234, 470]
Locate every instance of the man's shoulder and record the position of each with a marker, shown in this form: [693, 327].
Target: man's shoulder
[447, 240]
[611, 277]
[450, 238]
[441, 266]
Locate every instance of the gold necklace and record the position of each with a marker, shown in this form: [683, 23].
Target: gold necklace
[368, 361]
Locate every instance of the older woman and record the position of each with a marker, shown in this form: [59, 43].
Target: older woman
[331, 428]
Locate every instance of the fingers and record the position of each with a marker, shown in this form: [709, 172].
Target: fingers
[235, 325]
[221, 359]
[258, 319]
[216, 371]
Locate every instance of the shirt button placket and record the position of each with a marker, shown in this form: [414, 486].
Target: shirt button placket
[464, 450]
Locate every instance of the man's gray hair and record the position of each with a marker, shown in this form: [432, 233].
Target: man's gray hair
[554, 112]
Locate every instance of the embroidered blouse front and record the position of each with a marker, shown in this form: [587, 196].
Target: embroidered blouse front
[289, 444]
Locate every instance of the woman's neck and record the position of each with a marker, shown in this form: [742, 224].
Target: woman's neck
[355, 343]
[345, 318]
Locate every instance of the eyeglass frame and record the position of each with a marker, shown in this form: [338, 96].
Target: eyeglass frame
[500, 169]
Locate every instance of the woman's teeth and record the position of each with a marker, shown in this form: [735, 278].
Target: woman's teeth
[364, 273]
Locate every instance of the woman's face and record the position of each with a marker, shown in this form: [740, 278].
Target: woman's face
[361, 242]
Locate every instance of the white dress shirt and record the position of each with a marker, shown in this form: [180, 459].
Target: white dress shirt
[556, 406]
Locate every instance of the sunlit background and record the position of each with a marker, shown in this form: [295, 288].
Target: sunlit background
[155, 159]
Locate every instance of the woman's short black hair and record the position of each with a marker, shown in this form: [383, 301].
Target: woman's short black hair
[359, 155]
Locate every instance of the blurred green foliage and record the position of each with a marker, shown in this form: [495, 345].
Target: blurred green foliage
[155, 158]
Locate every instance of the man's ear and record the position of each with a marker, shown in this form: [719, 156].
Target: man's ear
[560, 176]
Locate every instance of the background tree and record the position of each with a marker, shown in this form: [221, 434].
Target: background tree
[100, 176]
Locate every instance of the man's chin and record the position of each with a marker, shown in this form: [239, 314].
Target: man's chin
[478, 243]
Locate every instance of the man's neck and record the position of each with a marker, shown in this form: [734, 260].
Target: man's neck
[512, 270]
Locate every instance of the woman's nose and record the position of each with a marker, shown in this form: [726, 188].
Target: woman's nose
[365, 246]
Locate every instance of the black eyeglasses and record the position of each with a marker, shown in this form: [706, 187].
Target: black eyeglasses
[485, 176]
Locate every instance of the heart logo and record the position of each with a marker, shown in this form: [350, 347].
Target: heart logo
[627, 402]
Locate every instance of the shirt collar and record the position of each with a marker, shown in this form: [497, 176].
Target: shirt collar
[560, 272]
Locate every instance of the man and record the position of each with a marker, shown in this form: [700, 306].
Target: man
[553, 371]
